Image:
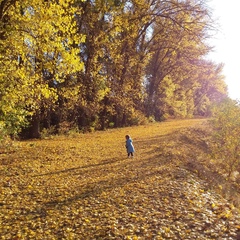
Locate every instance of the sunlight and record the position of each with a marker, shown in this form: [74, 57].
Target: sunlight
[226, 43]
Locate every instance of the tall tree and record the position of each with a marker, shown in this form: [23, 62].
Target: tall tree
[95, 63]
[211, 87]
[178, 45]
[42, 52]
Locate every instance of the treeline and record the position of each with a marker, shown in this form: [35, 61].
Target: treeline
[96, 64]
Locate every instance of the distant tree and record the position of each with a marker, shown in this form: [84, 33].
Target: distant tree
[177, 47]
[210, 87]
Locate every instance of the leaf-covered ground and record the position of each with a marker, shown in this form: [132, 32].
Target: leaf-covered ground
[85, 187]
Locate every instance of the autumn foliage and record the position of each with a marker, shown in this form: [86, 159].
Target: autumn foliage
[225, 137]
[100, 64]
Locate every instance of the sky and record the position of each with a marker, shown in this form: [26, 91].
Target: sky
[227, 42]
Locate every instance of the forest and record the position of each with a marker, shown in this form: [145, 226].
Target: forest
[140, 67]
[98, 64]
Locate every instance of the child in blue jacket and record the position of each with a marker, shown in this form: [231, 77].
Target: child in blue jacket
[129, 146]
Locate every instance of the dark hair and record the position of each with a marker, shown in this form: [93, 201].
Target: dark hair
[127, 136]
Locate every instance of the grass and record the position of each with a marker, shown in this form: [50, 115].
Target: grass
[84, 187]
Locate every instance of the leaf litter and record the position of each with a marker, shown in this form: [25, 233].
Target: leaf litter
[86, 188]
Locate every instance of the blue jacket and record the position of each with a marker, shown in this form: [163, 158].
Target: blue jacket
[129, 145]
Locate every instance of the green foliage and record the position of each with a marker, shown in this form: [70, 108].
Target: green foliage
[6, 142]
[226, 132]
[12, 120]
[2, 130]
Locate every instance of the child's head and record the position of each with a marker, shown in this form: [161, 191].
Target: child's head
[127, 136]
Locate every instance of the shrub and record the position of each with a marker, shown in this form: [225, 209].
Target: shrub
[111, 125]
[151, 119]
[48, 132]
[226, 132]
[137, 118]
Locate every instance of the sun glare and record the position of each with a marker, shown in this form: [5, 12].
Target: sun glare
[227, 41]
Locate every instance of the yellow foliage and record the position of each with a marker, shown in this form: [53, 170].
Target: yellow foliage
[41, 38]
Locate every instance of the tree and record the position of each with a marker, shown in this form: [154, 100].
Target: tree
[127, 60]
[43, 51]
[210, 87]
[92, 64]
[226, 131]
[178, 47]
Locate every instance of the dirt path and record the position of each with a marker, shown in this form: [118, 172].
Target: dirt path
[86, 188]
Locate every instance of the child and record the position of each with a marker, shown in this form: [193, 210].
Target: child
[129, 146]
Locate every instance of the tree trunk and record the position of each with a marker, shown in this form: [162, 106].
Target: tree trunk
[35, 127]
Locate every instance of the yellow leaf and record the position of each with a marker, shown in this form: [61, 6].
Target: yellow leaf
[87, 220]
